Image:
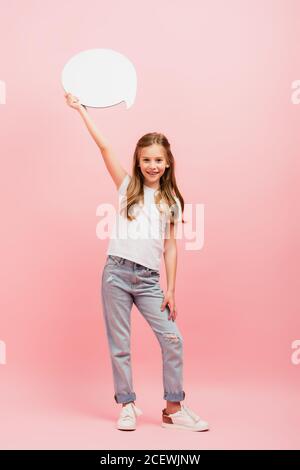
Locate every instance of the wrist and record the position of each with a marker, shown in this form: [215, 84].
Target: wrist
[82, 109]
[171, 290]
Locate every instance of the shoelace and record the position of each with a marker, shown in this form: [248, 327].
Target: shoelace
[191, 413]
[127, 411]
[186, 409]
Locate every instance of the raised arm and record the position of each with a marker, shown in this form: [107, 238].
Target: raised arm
[111, 161]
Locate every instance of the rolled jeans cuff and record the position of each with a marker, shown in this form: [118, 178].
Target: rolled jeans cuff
[124, 397]
[174, 396]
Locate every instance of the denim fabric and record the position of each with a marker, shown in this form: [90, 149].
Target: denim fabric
[125, 282]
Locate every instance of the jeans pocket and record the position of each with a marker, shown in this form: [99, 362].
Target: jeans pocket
[152, 273]
[114, 260]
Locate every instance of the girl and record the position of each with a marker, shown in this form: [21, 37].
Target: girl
[151, 205]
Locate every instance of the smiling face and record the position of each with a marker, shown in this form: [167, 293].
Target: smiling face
[153, 162]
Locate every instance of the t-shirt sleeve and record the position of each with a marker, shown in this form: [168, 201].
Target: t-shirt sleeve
[124, 184]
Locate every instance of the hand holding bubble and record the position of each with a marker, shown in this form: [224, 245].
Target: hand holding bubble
[73, 101]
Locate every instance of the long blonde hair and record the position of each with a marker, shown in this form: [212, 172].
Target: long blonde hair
[164, 196]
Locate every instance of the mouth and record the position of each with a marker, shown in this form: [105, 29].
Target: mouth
[151, 174]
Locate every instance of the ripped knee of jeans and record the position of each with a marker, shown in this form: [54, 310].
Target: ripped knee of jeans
[172, 337]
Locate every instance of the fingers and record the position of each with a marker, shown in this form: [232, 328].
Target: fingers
[172, 315]
[170, 311]
[173, 312]
[169, 303]
[72, 100]
[71, 97]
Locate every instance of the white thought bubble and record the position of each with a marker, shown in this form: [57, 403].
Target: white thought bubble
[100, 78]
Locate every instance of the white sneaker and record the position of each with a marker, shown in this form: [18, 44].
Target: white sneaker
[127, 419]
[184, 419]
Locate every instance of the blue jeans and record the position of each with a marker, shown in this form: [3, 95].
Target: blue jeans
[125, 282]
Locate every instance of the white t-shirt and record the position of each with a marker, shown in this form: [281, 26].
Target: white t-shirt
[140, 240]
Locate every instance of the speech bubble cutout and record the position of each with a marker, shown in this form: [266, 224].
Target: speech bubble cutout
[100, 78]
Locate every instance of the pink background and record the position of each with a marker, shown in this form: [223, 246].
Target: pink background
[215, 77]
